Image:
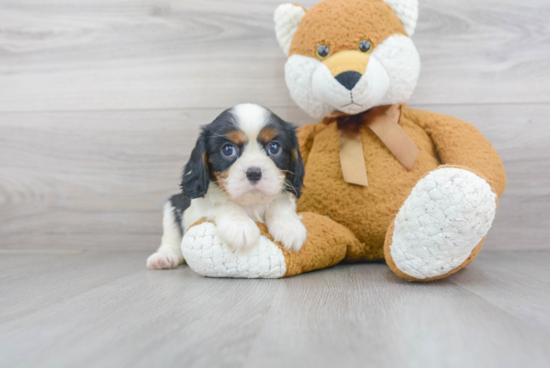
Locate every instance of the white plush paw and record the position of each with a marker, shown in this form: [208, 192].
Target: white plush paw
[447, 214]
[239, 232]
[289, 231]
[163, 260]
[207, 255]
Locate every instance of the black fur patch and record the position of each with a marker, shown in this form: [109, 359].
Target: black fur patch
[207, 158]
[180, 202]
[290, 159]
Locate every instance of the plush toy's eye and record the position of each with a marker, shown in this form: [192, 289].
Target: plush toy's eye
[323, 51]
[365, 46]
[274, 149]
[229, 150]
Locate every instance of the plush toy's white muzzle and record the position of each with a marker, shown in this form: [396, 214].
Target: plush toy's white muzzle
[368, 92]
[390, 78]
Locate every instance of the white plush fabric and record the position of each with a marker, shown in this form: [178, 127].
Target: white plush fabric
[407, 12]
[287, 18]
[401, 61]
[447, 214]
[299, 78]
[208, 256]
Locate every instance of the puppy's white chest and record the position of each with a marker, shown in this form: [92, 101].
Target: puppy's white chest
[256, 212]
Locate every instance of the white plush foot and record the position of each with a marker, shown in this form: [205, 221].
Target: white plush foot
[208, 256]
[289, 231]
[239, 232]
[447, 214]
[165, 259]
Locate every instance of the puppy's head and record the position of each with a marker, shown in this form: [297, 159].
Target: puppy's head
[249, 152]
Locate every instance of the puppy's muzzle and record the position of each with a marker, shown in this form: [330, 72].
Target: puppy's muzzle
[254, 174]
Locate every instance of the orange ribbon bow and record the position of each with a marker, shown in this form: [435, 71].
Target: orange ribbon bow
[384, 122]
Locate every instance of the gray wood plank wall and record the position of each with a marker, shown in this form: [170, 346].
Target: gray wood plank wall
[101, 100]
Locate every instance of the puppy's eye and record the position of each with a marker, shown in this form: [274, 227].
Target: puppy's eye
[322, 51]
[365, 46]
[274, 149]
[229, 150]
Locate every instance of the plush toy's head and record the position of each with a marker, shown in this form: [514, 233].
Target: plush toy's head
[349, 55]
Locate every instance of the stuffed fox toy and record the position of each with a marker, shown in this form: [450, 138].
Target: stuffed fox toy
[383, 182]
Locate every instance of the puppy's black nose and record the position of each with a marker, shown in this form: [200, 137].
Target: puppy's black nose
[348, 79]
[254, 174]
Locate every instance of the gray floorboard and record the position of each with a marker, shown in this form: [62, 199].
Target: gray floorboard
[104, 309]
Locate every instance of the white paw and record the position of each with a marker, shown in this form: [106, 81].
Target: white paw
[239, 232]
[207, 255]
[289, 231]
[163, 260]
[446, 216]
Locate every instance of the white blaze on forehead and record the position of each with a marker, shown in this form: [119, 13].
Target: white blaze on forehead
[251, 119]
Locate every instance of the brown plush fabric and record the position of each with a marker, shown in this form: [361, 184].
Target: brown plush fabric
[369, 211]
[366, 211]
[460, 143]
[346, 23]
[326, 245]
[346, 61]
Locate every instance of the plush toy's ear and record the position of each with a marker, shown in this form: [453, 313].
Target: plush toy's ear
[287, 18]
[194, 182]
[407, 12]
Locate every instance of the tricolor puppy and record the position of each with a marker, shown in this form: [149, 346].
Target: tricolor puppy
[245, 168]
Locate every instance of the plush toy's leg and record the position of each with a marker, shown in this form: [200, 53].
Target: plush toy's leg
[441, 226]
[325, 246]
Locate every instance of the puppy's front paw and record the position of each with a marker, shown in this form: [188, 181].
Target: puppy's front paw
[239, 232]
[290, 232]
[163, 260]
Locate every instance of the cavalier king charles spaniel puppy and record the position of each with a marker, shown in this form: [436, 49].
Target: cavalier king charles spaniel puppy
[245, 168]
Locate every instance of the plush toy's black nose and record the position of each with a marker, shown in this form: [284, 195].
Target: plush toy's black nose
[254, 174]
[348, 79]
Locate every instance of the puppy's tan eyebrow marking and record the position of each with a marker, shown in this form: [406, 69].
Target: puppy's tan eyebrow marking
[267, 134]
[237, 136]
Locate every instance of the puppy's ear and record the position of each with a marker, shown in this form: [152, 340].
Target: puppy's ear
[296, 169]
[195, 174]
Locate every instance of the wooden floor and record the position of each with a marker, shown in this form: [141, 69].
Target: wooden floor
[102, 309]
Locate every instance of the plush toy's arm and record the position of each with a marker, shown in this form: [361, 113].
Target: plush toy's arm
[460, 143]
[305, 136]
